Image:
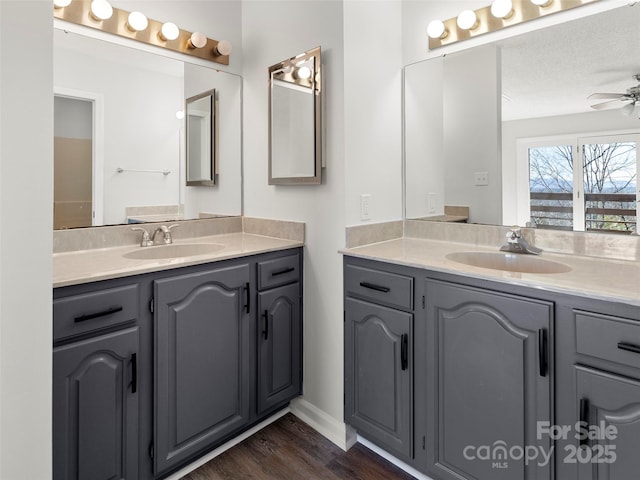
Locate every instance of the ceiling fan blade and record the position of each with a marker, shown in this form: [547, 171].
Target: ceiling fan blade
[608, 103]
[604, 96]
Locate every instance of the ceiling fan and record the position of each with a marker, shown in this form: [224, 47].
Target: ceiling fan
[632, 96]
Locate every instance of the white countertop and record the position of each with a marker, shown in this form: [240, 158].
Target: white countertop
[591, 277]
[86, 266]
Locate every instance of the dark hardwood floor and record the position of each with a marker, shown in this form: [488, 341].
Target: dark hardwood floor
[289, 449]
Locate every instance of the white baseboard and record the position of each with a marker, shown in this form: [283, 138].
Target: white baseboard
[327, 426]
[391, 459]
[223, 448]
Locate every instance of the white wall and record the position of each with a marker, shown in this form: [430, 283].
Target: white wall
[274, 31]
[26, 193]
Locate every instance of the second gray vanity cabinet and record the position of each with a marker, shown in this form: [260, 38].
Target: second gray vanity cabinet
[488, 380]
[610, 403]
[203, 361]
[378, 374]
[95, 408]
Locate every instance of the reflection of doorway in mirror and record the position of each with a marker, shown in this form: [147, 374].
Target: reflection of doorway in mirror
[72, 163]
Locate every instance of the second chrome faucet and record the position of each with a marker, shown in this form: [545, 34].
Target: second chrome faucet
[516, 243]
[149, 240]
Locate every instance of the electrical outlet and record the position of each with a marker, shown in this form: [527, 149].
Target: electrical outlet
[481, 178]
[431, 202]
[365, 204]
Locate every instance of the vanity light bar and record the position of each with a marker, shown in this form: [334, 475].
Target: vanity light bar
[79, 12]
[449, 31]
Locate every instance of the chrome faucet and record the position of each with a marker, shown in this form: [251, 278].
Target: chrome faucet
[146, 241]
[166, 232]
[517, 244]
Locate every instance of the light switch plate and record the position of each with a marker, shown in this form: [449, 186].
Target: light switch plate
[481, 178]
[365, 204]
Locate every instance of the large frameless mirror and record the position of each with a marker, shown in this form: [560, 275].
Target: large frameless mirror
[201, 139]
[295, 120]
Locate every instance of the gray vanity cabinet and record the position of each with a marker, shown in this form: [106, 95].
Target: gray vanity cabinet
[95, 414]
[379, 357]
[203, 371]
[489, 379]
[279, 346]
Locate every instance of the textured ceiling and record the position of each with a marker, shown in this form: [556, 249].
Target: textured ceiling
[552, 71]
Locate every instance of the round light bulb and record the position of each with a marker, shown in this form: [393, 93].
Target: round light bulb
[180, 114]
[542, 3]
[101, 9]
[436, 29]
[303, 73]
[137, 22]
[198, 40]
[61, 3]
[169, 31]
[467, 20]
[502, 8]
[223, 47]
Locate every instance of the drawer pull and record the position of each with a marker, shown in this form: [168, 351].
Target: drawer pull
[283, 271]
[377, 288]
[542, 352]
[629, 347]
[584, 422]
[134, 373]
[91, 316]
[404, 351]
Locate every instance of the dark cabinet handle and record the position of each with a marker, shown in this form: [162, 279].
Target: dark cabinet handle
[247, 304]
[377, 288]
[584, 421]
[265, 332]
[404, 351]
[282, 272]
[543, 352]
[134, 372]
[91, 316]
[629, 347]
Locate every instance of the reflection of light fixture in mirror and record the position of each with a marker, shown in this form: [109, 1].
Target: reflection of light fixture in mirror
[467, 20]
[101, 9]
[137, 22]
[542, 3]
[180, 114]
[502, 8]
[303, 73]
[223, 48]
[169, 31]
[436, 29]
[197, 40]
[61, 3]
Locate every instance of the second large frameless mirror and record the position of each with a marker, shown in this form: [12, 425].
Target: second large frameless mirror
[295, 120]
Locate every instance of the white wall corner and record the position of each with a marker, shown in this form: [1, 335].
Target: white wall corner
[334, 430]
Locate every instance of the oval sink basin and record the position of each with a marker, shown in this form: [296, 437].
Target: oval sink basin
[173, 251]
[509, 262]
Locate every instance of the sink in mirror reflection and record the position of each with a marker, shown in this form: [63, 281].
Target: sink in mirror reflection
[508, 262]
[179, 250]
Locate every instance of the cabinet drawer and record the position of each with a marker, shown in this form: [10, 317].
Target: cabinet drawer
[279, 271]
[384, 287]
[610, 338]
[83, 313]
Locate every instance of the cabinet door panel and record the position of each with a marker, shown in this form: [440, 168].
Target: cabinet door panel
[614, 402]
[95, 410]
[485, 368]
[279, 346]
[202, 361]
[378, 382]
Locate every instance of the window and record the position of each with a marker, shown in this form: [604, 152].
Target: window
[587, 183]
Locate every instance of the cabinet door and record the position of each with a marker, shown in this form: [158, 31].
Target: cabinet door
[489, 382]
[202, 361]
[95, 408]
[611, 405]
[279, 346]
[378, 374]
